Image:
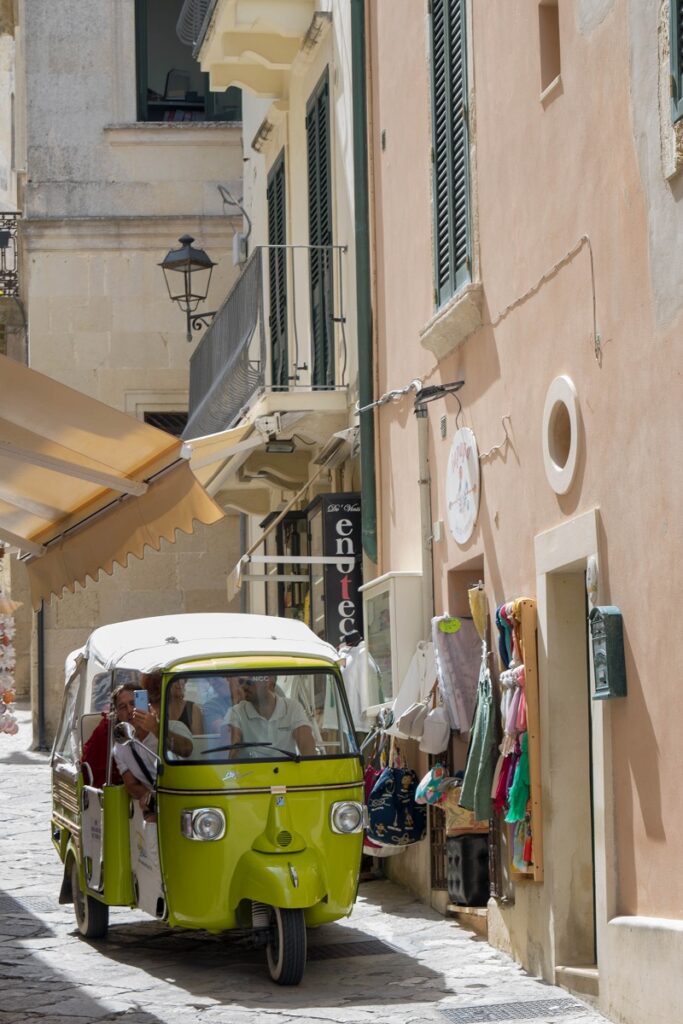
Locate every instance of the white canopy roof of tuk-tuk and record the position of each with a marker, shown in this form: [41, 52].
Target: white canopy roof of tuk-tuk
[165, 640]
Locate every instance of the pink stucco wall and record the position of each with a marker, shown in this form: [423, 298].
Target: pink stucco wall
[546, 176]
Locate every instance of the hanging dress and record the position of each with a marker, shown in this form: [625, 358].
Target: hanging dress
[481, 756]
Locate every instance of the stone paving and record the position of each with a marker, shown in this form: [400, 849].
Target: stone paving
[407, 963]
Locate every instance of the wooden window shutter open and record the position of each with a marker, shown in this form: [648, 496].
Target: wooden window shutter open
[320, 233]
[676, 40]
[277, 273]
[450, 148]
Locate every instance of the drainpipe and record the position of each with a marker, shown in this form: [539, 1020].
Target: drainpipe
[425, 485]
[363, 304]
[243, 548]
[40, 626]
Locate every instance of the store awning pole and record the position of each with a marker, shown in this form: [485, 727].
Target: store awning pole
[235, 577]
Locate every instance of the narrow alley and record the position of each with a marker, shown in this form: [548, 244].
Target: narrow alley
[393, 960]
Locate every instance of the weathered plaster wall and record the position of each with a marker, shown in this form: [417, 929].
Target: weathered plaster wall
[401, 145]
[573, 216]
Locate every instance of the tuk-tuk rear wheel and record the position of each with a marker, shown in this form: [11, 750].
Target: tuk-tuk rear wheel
[286, 949]
[92, 916]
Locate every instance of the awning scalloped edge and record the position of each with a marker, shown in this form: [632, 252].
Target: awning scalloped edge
[174, 502]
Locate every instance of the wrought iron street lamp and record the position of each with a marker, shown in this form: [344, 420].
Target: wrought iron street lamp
[188, 274]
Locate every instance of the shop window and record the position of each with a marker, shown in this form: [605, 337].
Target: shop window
[392, 617]
[171, 85]
[450, 152]
[290, 597]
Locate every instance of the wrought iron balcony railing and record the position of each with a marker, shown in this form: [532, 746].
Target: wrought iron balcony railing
[282, 327]
[190, 27]
[228, 365]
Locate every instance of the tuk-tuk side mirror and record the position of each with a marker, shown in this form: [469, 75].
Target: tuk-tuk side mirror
[124, 732]
[607, 643]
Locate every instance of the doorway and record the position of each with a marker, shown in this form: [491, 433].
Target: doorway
[569, 760]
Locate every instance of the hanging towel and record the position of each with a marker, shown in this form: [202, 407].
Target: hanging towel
[481, 756]
[519, 791]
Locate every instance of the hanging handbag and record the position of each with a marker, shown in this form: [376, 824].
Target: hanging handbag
[437, 732]
[432, 787]
[411, 722]
[394, 819]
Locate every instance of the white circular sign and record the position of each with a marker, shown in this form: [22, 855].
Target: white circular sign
[462, 485]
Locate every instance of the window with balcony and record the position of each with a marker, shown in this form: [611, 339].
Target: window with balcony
[320, 234]
[450, 148]
[171, 86]
[277, 273]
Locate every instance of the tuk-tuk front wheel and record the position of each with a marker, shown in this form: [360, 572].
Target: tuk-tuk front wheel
[92, 916]
[286, 949]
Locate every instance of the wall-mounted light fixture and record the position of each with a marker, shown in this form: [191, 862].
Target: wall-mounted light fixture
[187, 272]
[280, 446]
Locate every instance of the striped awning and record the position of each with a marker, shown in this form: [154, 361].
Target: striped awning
[84, 486]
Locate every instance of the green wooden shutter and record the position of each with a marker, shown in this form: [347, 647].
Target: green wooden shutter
[676, 50]
[320, 233]
[277, 273]
[450, 148]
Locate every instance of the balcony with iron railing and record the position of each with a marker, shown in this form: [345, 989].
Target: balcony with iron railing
[281, 329]
[228, 366]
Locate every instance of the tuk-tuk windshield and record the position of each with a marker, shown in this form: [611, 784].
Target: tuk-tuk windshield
[257, 715]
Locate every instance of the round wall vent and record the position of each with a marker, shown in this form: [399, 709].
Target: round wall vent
[560, 434]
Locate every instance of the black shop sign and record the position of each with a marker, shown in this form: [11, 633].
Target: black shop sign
[341, 538]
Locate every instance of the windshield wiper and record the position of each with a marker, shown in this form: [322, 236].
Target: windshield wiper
[241, 746]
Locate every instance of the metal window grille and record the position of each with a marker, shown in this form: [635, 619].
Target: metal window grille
[171, 422]
[9, 277]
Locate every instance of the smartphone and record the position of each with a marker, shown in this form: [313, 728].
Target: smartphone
[141, 698]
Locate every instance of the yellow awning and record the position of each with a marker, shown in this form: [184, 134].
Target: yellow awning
[83, 486]
[209, 454]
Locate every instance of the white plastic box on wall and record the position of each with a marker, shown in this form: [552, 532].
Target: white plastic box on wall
[392, 617]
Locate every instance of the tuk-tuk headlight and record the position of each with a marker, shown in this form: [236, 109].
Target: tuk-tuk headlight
[347, 816]
[204, 824]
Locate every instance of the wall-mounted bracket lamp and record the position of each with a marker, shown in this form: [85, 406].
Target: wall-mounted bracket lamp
[187, 272]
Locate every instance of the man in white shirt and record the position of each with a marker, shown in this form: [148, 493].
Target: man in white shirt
[265, 717]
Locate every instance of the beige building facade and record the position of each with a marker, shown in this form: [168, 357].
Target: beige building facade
[290, 460]
[557, 298]
[114, 152]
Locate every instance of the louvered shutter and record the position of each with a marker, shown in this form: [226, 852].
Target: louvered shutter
[320, 233]
[277, 273]
[676, 31]
[450, 148]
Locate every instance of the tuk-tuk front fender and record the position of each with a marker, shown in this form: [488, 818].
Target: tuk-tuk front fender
[292, 881]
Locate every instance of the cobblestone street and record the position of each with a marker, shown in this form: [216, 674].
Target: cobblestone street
[393, 960]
